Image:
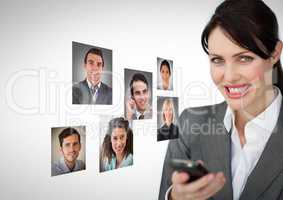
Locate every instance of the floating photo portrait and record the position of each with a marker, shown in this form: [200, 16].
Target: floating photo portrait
[164, 74]
[92, 75]
[138, 95]
[116, 143]
[167, 119]
[67, 150]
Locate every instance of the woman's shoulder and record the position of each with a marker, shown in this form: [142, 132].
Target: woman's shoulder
[110, 163]
[129, 157]
[204, 111]
[195, 120]
[159, 130]
[174, 126]
[128, 160]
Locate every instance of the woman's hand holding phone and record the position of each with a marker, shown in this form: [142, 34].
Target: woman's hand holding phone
[202, 188]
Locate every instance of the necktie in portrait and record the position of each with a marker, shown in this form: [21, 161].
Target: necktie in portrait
[94, 93]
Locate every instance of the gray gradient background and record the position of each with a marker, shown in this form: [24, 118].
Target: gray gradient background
[79, 73]
[36, 79]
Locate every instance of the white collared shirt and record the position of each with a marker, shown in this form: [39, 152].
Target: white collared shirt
[90, 86]
[138, 114]
[257, 132]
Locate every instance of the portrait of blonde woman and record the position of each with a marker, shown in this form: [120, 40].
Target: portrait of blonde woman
[169, 129]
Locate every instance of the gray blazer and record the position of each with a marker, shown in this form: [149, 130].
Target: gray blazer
[204, 137]
[82, 94]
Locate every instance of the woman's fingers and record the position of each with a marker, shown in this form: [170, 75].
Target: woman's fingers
[200, 183]
[202, 188]
[180, 177]
[213, 187]
[200, 162]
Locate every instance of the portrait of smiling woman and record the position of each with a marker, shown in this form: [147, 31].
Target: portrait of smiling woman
[117, 146]
[169, 128]
[165, 73]
[242, 144]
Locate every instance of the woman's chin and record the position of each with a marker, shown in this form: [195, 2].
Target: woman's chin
[119, 152]
[243, 105]
[235, 106]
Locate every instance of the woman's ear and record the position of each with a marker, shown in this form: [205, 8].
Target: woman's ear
[277, 52]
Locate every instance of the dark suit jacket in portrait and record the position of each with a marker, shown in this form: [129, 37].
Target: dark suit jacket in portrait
[82, 94]
[203, 137]
[167, 132]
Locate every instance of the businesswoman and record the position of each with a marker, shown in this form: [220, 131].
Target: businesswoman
[240, 141]
[117, 147]
[165, 73]
[168, 130]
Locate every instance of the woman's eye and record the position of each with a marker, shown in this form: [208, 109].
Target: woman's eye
[246, 59]
[216, 60]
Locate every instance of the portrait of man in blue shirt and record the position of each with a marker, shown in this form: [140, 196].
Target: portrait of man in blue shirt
[70, 146]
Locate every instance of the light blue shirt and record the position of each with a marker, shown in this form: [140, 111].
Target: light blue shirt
[127, 161]
[60, 167]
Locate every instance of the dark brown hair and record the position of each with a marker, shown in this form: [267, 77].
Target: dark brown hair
[66, 133]
[95, 51]
[165, 63]
[252, 25]
[137, 77]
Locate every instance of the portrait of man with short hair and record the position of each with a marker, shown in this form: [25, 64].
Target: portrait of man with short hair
[138, 101]
[94, 66]
[68, 150]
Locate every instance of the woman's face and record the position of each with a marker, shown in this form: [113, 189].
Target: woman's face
[119, 140]
[165, 74]
[168, 113]
[242, 77]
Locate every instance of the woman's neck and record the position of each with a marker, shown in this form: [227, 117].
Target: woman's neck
[119, 159]
[242, 117]
[165, 84]
[168, 123]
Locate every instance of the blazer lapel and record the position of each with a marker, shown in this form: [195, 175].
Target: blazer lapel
[269, 165]
[215, 148]
[87, 97]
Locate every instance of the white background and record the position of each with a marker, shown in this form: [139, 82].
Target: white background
[36, 76]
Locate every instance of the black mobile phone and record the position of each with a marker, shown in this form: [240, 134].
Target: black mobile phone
[193, 168]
